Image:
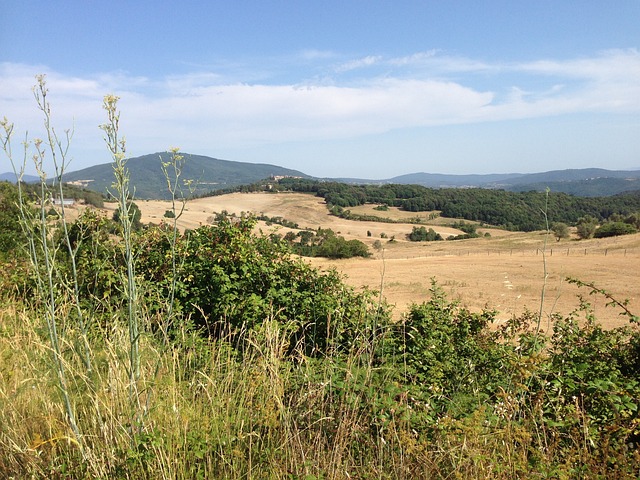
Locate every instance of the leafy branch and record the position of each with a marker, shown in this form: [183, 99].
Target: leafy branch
[613, 302]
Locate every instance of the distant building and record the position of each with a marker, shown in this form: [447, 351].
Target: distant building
[280, 177]
[67, 202]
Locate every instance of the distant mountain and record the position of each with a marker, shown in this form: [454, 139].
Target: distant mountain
[585, 182]
[438, 180]
[211, 174]
[10, 177]
[594, 187]
[207, 173]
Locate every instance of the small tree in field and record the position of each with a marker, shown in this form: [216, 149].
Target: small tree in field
[586, 227]
[560, 230]
[134, 214]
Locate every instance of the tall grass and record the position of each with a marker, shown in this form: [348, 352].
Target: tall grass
[108, 389]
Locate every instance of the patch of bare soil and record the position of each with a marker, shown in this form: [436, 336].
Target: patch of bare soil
[508, 271]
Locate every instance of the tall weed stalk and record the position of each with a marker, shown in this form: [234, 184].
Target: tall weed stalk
[51, 288]
[117, 147]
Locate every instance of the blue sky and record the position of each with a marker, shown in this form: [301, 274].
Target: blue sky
[369, 89]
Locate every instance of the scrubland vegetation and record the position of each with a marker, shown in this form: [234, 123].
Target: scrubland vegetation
[216, 353]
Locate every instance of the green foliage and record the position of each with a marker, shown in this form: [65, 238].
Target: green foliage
[586, 227]
[588, 374]
[169, 214]
[448, 355]
[469, 229]
[613, 229]
[232, 280]
[560, 230]
[277, 220]
[134, 214]
[325, 243]
[421, 234]
[510, 210]
[98, 260]
[11, 236]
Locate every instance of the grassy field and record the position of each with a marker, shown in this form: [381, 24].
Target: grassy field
[505, 271]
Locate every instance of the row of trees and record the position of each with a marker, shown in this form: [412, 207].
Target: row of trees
[589, 227]
[510, 210]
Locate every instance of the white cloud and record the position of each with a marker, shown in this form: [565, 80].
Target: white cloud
[359, 63]
[205, 112]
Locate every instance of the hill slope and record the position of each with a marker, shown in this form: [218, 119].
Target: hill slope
[211, 174]
[11, 177]
[207, 173]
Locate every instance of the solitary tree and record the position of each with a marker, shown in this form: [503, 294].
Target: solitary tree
[134, 214]
[560, 230]
[586, 227]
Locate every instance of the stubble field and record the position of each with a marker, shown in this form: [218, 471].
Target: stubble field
[507, 271]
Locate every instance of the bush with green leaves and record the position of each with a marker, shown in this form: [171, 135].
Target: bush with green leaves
[98, 260]
[586, 227]
[421, 234]
[560, 230]
[614, 229]
[11, 232]
[587, 382]
[325, 243]
[134, 214]
[230, 279]
[448, 356]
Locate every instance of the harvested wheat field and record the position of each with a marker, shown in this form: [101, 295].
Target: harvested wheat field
[507, 271]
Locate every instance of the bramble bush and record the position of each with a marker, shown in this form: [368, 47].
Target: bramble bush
[230, 279]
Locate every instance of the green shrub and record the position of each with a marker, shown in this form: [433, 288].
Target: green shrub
[448, 355]
[586, 227]
[421, 234]
[232, 280]
[11, 236]
[613, 229]
[134, 214]
[325, 243]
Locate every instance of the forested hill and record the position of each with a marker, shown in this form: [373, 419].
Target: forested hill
[206, 173]
[523, 211]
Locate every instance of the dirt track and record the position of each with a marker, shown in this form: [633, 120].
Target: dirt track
[505, 272]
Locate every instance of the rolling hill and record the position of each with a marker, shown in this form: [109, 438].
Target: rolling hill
[208, 174]
[11, 177]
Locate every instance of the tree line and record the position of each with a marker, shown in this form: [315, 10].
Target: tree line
[516, 211]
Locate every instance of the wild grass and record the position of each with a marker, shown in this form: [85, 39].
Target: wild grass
[125, 385]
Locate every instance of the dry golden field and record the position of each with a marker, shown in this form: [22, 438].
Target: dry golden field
[505, 272]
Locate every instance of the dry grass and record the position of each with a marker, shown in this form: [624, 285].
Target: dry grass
[503, 272]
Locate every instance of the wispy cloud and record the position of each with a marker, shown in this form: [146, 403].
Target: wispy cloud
[205, 110]
[359, 63]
